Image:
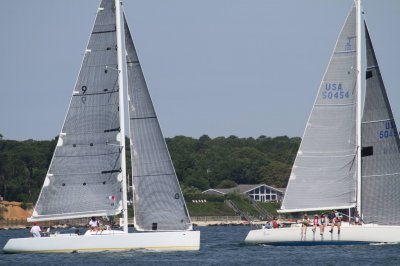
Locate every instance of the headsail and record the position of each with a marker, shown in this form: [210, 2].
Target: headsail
[84, 176]
[158, 200]
[380, 153]
[324, 172]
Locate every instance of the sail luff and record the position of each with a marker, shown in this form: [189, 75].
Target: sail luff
[358, 120]
[121, 109]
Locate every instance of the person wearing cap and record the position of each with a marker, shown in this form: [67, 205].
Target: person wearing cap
[35, 230]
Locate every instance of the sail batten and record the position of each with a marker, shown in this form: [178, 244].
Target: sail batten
[324, 172]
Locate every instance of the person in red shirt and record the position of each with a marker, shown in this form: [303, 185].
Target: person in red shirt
[275, 223]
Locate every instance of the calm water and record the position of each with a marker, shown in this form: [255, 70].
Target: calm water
[219, 246]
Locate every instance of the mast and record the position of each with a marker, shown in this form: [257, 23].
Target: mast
[121, 114]
[358, 120]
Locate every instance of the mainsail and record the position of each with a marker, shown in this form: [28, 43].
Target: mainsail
[158, 201]
[84, 177]
[380, 153]
[324, 172]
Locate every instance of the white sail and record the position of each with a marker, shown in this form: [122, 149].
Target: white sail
[84, 177]
[324, 172]
[158, 200]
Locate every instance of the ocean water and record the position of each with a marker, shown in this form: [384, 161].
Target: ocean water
[220, 245]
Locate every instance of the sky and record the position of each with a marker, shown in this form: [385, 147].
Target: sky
[217, 67]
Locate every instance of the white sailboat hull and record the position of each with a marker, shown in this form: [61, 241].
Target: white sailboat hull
[153, 241]
[351, 234]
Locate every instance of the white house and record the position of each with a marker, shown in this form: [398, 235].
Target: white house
[259, 192]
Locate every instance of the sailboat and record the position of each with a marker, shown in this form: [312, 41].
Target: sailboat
[87, 174]
[346, 162]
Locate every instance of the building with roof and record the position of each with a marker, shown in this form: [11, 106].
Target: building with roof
[258, 192]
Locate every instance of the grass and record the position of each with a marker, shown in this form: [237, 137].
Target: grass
[209, 209]
[270, 207]
[243, 203]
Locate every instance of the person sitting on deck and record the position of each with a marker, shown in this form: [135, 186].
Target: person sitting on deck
[357, 218]
[94, 224]
[331, 216]
[304, 224]
[268, 225]
[315, 223]
[275, 223]
[336, 222]
[35, 230]
[322, 224]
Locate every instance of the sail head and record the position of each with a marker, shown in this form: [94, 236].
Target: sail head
[84, 177]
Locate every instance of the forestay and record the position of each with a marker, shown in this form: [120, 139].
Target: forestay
[84, 177]
[324, 172]
[158, 201]
[380, 152]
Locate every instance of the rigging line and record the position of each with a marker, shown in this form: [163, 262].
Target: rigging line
[117, 160]
[354, 158]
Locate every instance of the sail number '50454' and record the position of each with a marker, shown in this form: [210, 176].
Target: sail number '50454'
[390, 130]
[334, 91]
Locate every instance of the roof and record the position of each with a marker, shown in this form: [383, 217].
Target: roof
[241, 189]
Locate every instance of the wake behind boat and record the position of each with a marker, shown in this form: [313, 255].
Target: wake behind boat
[87, 174]
[345, 162]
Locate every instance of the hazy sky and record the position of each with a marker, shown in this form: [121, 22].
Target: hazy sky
[233, 67]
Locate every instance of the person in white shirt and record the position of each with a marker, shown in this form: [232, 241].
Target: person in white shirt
[35, 230]
[93, 224]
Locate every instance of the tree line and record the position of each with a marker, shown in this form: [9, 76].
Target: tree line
[199, 163]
